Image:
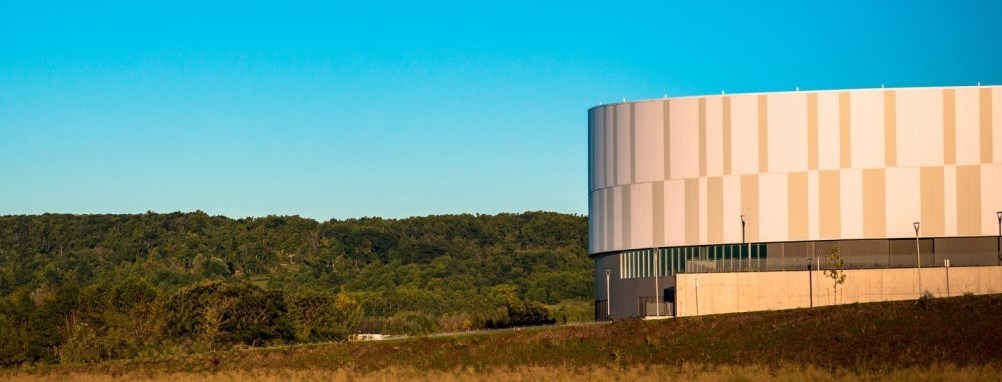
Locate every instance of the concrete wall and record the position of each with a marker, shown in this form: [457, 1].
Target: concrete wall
[753, 291]
[823, 165]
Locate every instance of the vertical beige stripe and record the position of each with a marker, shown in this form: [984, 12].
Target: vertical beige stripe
[845, 139]
[615, 146]
[890, 129]
[749, 205]
[610, 211]
[797, 207]
[812, 131]
[968, 200]
[667, 139]
[659, 213]
[692, 211]
[830, 210]
[950, 126]
[715, 209]
[702, 137]
[986, 124]
[627, 217]
[633, 143]
[763, 133]
[874, 204]
[931, 179]
[727, 135]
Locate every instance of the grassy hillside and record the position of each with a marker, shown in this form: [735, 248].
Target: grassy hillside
[955, 338]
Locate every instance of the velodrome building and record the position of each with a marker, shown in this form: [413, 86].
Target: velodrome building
[719, 203]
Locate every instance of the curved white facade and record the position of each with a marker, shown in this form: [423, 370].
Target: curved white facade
[800, 166]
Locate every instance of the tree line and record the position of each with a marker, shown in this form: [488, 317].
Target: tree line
[90, 287]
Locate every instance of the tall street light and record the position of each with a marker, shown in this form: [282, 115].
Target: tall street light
[608, 298]
[743, 221]
[657, 302]
[918, 258]
[998, 246]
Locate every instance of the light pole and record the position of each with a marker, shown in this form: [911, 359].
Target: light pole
[657, 302]
[743, 221]
[918, 258]
[608, 298]
[998, 245]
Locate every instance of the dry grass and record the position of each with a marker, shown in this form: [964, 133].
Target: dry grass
[881, 341]
[686, 372]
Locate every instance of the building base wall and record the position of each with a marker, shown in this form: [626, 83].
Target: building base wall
[716, 293]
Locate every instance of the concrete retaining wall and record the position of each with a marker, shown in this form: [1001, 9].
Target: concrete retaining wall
[715, 293]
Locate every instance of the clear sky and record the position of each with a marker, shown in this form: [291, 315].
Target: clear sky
[368, 108]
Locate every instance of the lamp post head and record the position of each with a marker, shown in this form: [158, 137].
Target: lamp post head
[608, 272]
[999, 213]
[916, 224]
[743, 218]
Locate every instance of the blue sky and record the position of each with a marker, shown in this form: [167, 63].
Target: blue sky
[350, 109]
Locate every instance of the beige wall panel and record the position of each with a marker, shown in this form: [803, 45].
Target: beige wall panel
[997, 124]
[787, 132]
[797, 209]
[658, 213]
[763, 133]
[991, 197]
[750, 207]
[595, 156]
[967, 127]
[744, 135]
[813, 206]
[715, 209]
[949, 126]
[851, 193]
[684, 138]
[949, 200]
[616, 237]
[969, 212]
[725, 119]
[874, 203]
[624, 143]
[902, 201]
[714, 136]
[627, 226]
[607, 213]
[812, 131]
[920, 127]
[732, 209]
[642, 215]
[932, 198]
[830, 204]
[594, 217]
[845, 129]
[773, 202]
[986, 125]
[692, 211]
[701, 128]
[609, 136]
[890, 129]
[649, 141]
[703, 228]
[867, 128]
[828, 131]
[666, 133]
[675, 216]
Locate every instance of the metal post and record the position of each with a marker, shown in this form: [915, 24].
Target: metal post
[810, 281]
[918, 257]
[608, 297]
[657, 303]
[998, 245]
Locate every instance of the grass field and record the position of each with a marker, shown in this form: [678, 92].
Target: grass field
[937, 339]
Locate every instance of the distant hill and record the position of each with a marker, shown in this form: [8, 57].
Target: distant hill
[413, 275]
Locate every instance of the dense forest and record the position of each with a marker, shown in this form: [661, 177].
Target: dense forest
[91, 287]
